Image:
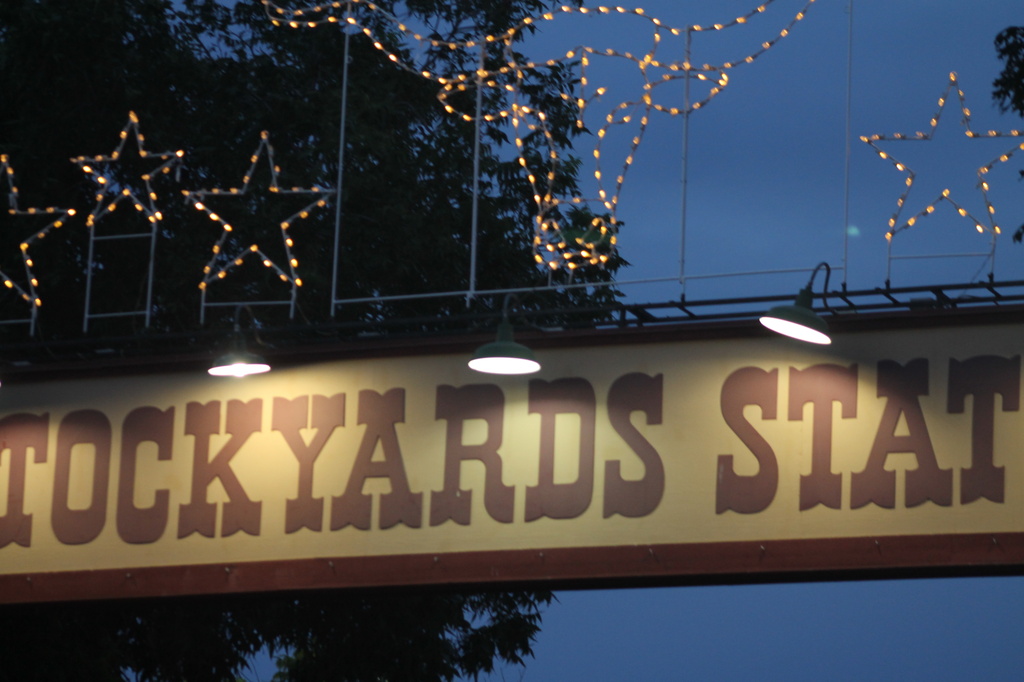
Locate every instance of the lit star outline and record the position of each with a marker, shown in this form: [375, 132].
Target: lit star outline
[60, 216]
[107, 198]
[554, 246]
[982, 171]
[213, 271]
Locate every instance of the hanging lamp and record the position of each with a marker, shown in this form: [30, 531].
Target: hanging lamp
[238, 361]
[799, 321]
[504, 355]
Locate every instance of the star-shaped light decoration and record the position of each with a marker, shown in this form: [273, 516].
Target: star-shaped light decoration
[987, 224]
[110, 194]
[221, 263]
[57, 217]
[557, 246]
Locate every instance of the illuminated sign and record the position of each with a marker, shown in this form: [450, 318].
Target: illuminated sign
[668, 459]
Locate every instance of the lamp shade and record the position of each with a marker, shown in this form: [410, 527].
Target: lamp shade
[798, 321]
[504, 356]
[238, 364]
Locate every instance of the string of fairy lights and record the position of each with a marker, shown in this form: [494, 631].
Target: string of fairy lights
[988, 223]
[222, 263]
[558, 245]
[555, 245]
[110, 194]
[56, 216]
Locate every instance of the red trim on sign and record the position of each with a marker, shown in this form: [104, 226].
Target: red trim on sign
[719, 562]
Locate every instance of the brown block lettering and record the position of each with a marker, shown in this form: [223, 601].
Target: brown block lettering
[631, 393]
[20, 433]
[983, 377]
[901, 385]
[240, 513]
[380, 413]
[290, 417]
[748, 494]
[456, 405]
[79, 526]
[822, 385]
[144, 424]
[549, 399]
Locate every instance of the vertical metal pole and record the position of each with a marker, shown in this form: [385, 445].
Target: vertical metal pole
[28, 278]
[475, 220]
[992, 258]
[888, 263]
[686, 163]
[341, 164]
[846, 178]
[149, 281]
[88, 278]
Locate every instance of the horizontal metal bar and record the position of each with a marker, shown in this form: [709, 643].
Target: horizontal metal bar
[496, 292]
[109, 237]
[755, 272]
[100, 316]
[598, 316]
[228, 304]
[943, 255]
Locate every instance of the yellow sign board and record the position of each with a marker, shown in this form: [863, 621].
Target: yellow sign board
[887, 449]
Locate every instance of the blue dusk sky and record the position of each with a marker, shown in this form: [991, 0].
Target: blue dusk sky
[768, 157]
[778, 180]
[767, 190]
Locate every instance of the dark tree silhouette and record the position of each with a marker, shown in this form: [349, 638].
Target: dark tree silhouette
[1008, 88]
[206, 77]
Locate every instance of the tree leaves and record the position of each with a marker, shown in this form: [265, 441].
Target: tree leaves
[207, 77]
[1008, 88]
